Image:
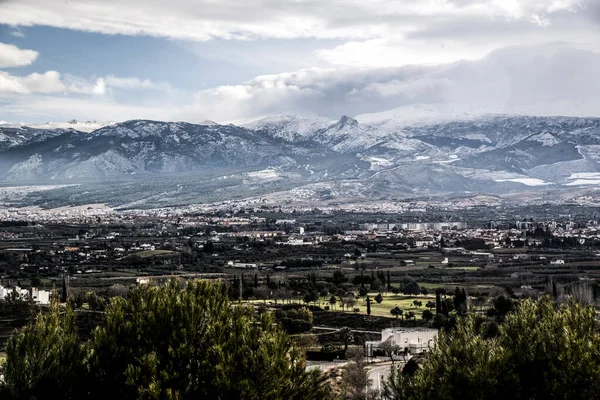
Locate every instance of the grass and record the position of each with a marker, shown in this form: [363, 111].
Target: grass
[465, 268]
[153, 253]
[382, 309]
[404, 302]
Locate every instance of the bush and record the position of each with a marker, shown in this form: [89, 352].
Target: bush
[541, 351]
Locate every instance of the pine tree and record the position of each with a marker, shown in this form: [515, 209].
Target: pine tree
[64, 294]
[368, 305]
[362, 280]
[161, 342]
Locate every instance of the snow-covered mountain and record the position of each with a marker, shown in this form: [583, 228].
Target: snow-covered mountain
[82, 126]
[290, 127]
[383, 157]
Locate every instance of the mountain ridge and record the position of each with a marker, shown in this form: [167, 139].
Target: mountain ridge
[487, 154]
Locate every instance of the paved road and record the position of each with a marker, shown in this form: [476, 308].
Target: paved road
[377, 374]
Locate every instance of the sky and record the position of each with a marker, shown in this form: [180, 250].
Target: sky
[233, 60]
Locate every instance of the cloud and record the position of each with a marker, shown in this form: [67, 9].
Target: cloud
[554, 79]
[17, 33]
[135, 83]
[38, 108]
[12, 56]
[53, 82]
[233, 19]
[551, 79]
[377, 33]
[48, 82]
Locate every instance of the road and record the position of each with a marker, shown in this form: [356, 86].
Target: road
[377, 374]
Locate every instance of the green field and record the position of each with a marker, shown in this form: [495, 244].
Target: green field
[404, 302]
[153, 253]
[465, 268]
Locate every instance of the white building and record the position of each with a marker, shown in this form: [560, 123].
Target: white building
[40, 296]
[417, 340]
[242, 265]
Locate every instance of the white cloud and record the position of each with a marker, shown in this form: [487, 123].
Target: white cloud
[17, 33]
[547, 80]
[551, 79]
[378, 32]
[233, 19]
[12, 56]
[42, 108]
[53, 82]
[48, 82]
[135, 83]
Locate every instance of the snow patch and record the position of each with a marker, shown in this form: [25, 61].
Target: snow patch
[581, 182]
[544, 138]
[264, 174]
[525, 181]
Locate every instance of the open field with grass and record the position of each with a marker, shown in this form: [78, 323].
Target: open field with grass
[404, 302]
[390, 300]
[153, 253]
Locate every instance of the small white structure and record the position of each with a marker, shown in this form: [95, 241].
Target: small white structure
[417, 340]
[23, 293]
[3, 292]
[557, 262]
[40, 296]
[445, 260]
[242, 265]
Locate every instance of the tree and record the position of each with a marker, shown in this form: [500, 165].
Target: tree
[410, 368]
[427, 315]
[355, 379]
[396, 312]
[368, 305]
[332, 301]
[45, 357]
[411, 315]
[64, 295]
[439, 321]
[389, 282]
[379, 298]
[502, 306]
[398, 386]
[460, 301]
[542, 351]
[411, 288]
[163, 342]
[347, 337]
[349, 300]
[389, 348]
[36, 282]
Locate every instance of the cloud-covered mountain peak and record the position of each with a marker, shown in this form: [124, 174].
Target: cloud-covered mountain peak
[346, 122]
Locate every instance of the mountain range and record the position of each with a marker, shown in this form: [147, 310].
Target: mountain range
[345, 158]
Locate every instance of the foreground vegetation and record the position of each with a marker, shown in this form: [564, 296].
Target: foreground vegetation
[543, 350]
[160, 342]
[189, 340]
